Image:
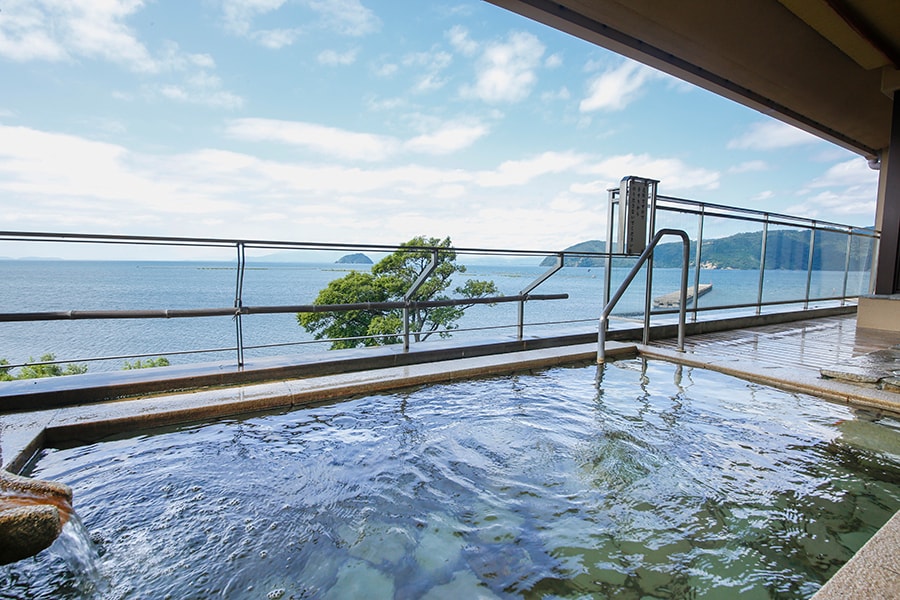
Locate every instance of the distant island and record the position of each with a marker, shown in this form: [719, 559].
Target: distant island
[354, 259]
[786, 249]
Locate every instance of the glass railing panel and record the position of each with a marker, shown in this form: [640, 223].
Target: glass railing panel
[862, 249]
[787, 259]
[729, 262]
[828, 264]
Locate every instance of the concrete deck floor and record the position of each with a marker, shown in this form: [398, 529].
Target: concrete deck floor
[788, 356]
[832, 359]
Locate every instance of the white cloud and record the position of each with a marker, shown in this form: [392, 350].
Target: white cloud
[616, 88]
[332, 58]
[553, 61]
[750, 166]
[853, 172]
[238, 15]
[770, 135]
[47, 170]
[448, 138]
[218, 193]
[560, 94]
[506, 70]
[25, 33]
[430, 66]
[276, 38]
[54, 31]
[672, 173]
[347, 17]
[60, 31]
[385, 69]
[846, 204]
[520, 172]
[438, 138]
[343, 17]
[193, 93]
[849, 188]
[458, 37]
[201, 88]
[318, 138]
[50, 30]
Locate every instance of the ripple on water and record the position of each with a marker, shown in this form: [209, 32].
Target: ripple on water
[641, 480]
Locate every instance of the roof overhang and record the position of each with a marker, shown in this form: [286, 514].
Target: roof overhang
[826, 66]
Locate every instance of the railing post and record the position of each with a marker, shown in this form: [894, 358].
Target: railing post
[762, 264]
[407, 297]
[560, 262]
[698, 256]
[847, 266]
[238, 303]
[809, 264]
[648, 305]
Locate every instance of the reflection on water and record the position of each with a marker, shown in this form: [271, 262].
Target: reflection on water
[639, 481]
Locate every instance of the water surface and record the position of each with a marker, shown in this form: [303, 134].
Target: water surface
[641, 480]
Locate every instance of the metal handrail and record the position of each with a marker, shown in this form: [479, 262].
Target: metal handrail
[262, 310]
[857, 237]
[645, 255]
[560, 262]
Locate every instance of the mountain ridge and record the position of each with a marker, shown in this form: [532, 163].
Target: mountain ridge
[786, 249]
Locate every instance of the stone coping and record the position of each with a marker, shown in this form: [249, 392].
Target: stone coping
[24, 434]
[870, 574]
[25, 395]
[787, 378]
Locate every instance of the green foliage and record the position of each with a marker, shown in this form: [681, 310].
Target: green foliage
[162, 361]
[786, 249]
[38, 371]
[388, 281]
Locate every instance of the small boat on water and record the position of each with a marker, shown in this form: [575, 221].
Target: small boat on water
[671, 300]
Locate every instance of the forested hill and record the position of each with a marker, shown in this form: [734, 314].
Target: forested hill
[786, 249]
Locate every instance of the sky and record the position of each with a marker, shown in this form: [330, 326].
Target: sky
[367, 121]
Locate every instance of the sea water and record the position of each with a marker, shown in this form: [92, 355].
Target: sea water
[63, 285]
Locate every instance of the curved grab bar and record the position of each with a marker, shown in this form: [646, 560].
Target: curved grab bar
[648, 251]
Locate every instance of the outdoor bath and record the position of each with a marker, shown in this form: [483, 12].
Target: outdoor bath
[632, 480]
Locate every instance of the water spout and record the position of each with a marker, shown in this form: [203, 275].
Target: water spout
[32, 515]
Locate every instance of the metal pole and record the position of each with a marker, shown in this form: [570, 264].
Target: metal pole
[762, 265]
[698, 255]
[847, 266]
[607, 277]
[407, 297]
[560, 261]
[238, 303]
[809, 264]
[649, 292]
[608, 308]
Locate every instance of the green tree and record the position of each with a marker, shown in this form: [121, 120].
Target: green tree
[4, 370]
[162, 361]
[46, 370]
[388, 281]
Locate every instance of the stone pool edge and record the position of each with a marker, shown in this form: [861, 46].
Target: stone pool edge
[24, 434]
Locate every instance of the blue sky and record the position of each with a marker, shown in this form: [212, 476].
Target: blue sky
[367, 121]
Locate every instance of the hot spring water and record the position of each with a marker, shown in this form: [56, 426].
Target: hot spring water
[632, 480]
